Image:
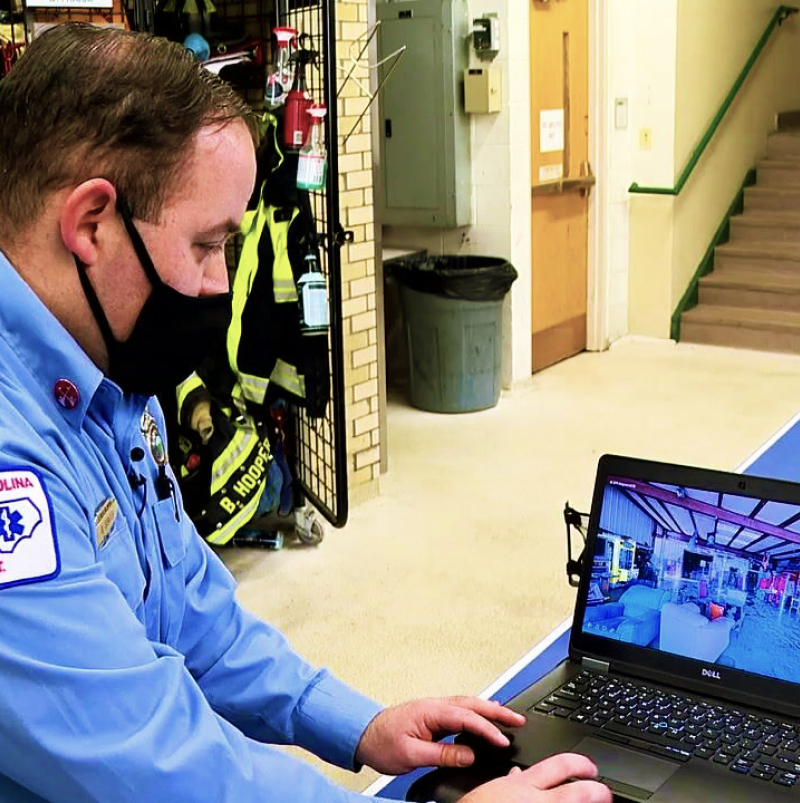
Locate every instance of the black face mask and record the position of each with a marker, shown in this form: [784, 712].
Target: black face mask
[172, 334]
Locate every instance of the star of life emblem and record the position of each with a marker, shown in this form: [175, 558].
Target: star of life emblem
[18, 520]
[28, 545]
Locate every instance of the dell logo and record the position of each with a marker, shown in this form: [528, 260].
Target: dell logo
[711, 673]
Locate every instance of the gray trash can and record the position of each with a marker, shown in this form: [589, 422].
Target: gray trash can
[453, 321]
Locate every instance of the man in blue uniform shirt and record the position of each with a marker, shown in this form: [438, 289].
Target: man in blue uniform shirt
[128, 672]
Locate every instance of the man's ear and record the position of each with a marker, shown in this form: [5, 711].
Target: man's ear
[87, 210]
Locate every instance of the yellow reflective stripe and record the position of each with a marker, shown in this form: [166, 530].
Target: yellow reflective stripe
[230, 528]
[285, 290]
[243, 280]
[228, 461]
[231, 458]
[186, 387]
[282, 276]
[271, 121]
[287, 377]
[238, 399]
[254, 388]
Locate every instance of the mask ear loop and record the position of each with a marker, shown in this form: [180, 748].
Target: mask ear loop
[144, 259]
[138, 244]
[94, 305]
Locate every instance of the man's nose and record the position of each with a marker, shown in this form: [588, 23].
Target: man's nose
[215, 280]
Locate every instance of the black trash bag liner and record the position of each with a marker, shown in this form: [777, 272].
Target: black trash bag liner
[468, 278]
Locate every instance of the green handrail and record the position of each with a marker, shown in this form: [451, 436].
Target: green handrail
[780, 15]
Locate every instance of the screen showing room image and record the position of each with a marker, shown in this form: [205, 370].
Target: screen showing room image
[698, 573]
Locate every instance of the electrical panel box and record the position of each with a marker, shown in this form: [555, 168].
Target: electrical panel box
[425, 132]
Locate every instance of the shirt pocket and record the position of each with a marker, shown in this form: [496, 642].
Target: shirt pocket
[121, 564]
[173, 551]
[170, 533]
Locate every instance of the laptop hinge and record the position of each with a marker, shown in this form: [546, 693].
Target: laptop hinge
[595, 665]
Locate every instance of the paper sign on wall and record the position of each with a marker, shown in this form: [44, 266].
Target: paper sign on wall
[551, 130]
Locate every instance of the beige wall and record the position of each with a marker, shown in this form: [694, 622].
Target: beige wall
[622, 38]
[653, 27]
[677, 98]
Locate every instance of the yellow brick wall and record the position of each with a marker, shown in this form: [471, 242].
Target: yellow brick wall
[358, 257]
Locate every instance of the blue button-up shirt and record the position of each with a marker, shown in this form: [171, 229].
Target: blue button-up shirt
[133, 674]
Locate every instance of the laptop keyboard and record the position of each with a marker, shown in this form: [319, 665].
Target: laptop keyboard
[679, 727]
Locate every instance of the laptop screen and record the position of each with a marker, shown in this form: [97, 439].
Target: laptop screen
[702, 574]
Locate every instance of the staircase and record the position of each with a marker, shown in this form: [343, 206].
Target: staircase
[752, 298]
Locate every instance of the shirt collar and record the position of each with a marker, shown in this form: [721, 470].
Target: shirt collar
[54, 358]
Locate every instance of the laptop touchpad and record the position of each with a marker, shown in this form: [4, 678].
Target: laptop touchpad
[616, 763]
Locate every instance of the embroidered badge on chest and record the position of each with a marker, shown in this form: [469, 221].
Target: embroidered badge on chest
[28, 544]
[104, 518]
[153, 438]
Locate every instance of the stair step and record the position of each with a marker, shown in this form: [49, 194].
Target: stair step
[765, 227]
[761, 249]
[736, 327]
[788, 120]
[779, 256]
[779, 163]
[771, 219]
[765, 198]
[778, 173]
[754, 280]
[751, 289]
[784, 144]
[768, 320]
[725, 261]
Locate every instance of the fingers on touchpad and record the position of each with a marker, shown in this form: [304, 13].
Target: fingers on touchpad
[627, 770]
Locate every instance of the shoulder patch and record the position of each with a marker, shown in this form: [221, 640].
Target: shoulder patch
[28, 544]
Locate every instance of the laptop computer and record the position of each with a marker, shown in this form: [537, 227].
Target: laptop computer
[683, 676]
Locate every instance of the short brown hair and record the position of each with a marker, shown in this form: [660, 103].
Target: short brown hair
[86, 102]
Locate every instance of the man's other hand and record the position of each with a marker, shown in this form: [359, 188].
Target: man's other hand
[554, 780]
[406, 736]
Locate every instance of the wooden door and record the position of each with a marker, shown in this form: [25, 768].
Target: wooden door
[560, 180]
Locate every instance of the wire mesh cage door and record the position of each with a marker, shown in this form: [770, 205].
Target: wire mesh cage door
[320, 443]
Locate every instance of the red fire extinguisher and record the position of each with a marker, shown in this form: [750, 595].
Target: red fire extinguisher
[296, 121]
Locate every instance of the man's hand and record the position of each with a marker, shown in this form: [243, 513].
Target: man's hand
[549, 781]
[405, 737]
